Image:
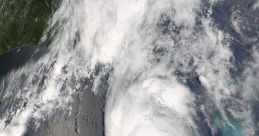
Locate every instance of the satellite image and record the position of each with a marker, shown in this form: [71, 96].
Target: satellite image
[129, 67]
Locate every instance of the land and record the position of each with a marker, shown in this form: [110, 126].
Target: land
[22, 22]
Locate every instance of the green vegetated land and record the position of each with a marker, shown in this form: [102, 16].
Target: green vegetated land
[23, 21]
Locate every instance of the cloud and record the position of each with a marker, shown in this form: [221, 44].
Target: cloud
[256, 5]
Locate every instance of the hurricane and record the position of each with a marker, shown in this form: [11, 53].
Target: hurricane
[164, 68]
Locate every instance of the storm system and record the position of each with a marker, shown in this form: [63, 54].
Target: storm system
[136, 68]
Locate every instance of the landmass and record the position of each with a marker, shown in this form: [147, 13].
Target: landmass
[22, 22]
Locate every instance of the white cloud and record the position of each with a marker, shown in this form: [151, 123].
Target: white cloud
[256, 5]
[150, 107]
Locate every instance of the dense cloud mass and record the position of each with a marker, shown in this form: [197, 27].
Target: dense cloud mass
[172, 69]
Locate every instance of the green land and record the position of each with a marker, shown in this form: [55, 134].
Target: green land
[22, 22]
